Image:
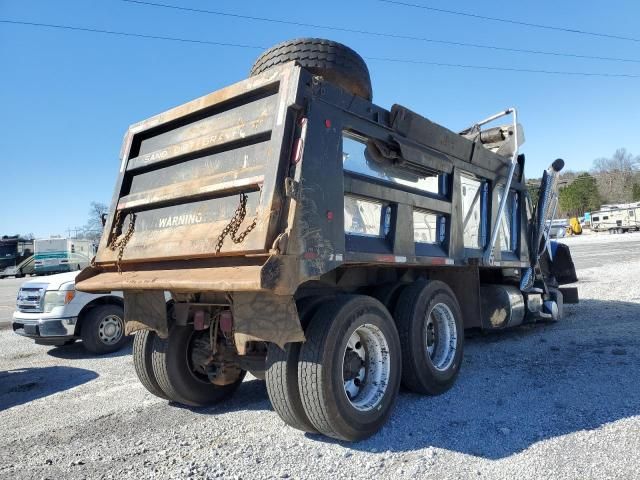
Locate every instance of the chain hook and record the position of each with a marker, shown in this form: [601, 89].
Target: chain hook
[122, 242]
[234, 224]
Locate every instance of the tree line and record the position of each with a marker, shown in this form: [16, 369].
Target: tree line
[611, 180]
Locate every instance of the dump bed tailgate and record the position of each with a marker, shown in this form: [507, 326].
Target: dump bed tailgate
[184, 172]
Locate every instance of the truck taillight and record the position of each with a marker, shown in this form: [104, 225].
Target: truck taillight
[200, 320]
[226, 322]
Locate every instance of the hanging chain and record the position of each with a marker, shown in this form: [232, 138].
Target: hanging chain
[234, 225]
[231, 229]
[122, 242]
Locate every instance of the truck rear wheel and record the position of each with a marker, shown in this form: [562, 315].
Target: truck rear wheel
[431, 333]
[282, 373]
[350, 367]
[142, 362]
[102, 329]
[334, 61]
[178, 376]
[388, 294]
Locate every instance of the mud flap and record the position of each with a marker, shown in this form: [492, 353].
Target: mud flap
[265, 317]
[562, 267]
[146, 309]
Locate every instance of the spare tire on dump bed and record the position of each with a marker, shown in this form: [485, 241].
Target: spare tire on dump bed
[334, 61]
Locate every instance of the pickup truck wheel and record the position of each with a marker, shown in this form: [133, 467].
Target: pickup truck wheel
[142, 362]
[179, 378]
[431, 333]
[282, 373]
[334, 61]
[350, 367]
[102, 329]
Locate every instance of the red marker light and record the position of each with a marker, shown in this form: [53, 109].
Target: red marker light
[296, 154]
[327, 123]
[329, 215]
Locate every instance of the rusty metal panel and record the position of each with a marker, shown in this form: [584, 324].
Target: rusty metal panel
[266, 317]
[219, 166]
[223, 279]
[191, 230]
[185, 172]
[217, 98]
[215, 184]
[246, 130]
[249, 117]
[145, 310]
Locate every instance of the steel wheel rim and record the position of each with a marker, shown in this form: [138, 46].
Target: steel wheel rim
[366, 367]
[110, 329]
[441, 336]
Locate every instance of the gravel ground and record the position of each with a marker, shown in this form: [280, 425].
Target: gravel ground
[544, 401]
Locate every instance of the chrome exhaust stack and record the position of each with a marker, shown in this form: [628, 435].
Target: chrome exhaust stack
[544, 214]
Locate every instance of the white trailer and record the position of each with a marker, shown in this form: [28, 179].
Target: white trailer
[617, 220]
[56, 255]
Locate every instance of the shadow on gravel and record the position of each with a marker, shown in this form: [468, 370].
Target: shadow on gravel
[526, 385]
[251, 395]
[76, 351]
[23, 385]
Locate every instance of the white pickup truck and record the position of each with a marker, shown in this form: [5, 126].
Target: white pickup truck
[51, 311]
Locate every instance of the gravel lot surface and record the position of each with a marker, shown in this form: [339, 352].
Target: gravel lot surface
[543, 401]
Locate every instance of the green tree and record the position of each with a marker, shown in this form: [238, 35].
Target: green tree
[533, 186]
[580, 196]
[635, 192]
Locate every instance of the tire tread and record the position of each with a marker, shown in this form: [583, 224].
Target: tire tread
[405, 310]
[310, 366]
[282, 387]
[320, 55]
[143, 343]
[159, 367]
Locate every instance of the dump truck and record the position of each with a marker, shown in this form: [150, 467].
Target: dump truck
[333, 247]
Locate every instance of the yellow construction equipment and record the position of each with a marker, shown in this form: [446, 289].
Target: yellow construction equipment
[574, 227]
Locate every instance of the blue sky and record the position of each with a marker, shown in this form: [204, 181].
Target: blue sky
[66, 97]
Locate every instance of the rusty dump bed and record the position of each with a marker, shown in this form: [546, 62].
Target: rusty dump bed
[181, 176]
[284, 178]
